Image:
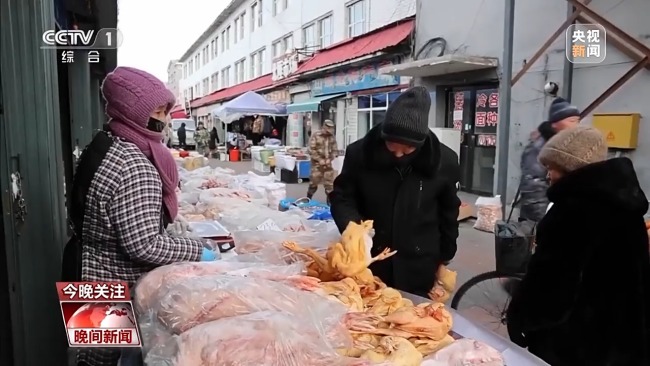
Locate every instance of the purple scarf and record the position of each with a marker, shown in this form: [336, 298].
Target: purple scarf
[150, 143]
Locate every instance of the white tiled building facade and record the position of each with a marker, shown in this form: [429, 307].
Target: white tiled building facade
[243, 41]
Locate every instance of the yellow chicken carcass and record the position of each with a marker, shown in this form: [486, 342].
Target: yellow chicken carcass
[388, 301]
[349, 258]
[445, 284]
[427, 320]
[362, 342]
[395, 350]
[427, 346]
[346, 291]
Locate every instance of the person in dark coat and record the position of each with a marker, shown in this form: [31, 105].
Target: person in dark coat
[585, 299]
[533, 182]
[403, 178]
[213, 141]
[182, 136]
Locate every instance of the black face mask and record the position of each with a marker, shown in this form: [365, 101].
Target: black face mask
[405, 160]
[155, 125]
[400, 162]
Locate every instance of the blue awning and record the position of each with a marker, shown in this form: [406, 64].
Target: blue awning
[310, 105]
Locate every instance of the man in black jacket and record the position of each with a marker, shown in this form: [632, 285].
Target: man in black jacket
[403, 178]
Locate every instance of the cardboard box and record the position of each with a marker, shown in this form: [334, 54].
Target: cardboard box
[466, 211]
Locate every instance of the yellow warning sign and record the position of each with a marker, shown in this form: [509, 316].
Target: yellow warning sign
[611, 136]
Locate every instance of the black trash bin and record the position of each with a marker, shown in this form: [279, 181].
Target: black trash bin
[513, 246]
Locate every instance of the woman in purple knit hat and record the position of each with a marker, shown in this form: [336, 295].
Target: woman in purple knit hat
[132, 195]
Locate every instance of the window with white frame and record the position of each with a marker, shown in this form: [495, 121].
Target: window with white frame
[253, 17]
[257, 63]
[236, 30]
[212, 49]
[287, 43]
[197, 62]
[216, 47]
[206, 86]
[240, 71]
[185, 71]
[326, 33]
[242, 25]
[258, 14]
[276, 48]
[197, 90]
[223, 41]
[278, 6]
[228, 38]
[214, 82]
[206, 55]
[356, 15]
[191, 67]
[372, 110]
[225, 77]
[191, 93]
[309, 41]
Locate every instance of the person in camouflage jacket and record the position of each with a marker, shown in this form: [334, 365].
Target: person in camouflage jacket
[323, 150]
[202, 137]
[533, 183]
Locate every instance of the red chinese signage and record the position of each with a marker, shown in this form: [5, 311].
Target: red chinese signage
[486, 116]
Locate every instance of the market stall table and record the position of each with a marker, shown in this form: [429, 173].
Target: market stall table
[513, 354]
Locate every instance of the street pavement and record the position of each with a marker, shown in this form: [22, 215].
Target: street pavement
[475, 248]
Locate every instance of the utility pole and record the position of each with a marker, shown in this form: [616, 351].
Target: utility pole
[505, 101]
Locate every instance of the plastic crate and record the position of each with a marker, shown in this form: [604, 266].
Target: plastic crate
[304, 169]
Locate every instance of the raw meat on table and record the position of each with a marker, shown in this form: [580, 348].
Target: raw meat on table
[201, 300]
[153, 285]
[265, 338]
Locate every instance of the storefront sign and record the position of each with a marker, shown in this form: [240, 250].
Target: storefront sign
[487, 140]
[487, 111]
[367, 77]
[278, 96]
[284, 66]
[459, 108]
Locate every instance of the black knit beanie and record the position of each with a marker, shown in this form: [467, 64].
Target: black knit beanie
[407, 118]
[561, 109]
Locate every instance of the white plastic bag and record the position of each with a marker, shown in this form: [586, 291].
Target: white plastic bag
[488, 212]
[250, 218]
[466, 352]
[337, 164]
[200, 300]
[272, 338]
[151, 287]
[255, 241]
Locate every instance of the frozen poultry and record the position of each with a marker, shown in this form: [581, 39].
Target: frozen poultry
[427, 346]
[395, 350]
[468, 352]
[200, 300]
[445, 284]
[349, 258]
[153, 285]
[362, 342]
[428, 320]
[345, 291]
[388, 301]
[264, 338]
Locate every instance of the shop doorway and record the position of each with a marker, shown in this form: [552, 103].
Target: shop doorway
[474, 111]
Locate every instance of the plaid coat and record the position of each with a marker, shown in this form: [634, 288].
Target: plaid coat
[122, 234]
